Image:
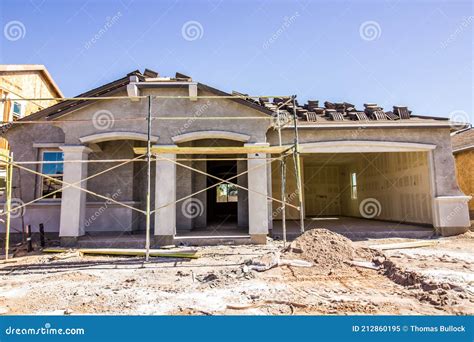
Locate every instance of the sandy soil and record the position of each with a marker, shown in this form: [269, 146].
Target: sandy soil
[429, 280]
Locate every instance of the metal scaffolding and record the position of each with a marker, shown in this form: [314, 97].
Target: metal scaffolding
[149, 154]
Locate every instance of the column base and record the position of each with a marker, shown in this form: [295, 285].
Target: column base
[258, 239]
[450, 231]
[68, 241]
[162, 240]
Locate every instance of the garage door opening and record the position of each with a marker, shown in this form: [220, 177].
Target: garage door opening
[349, 192]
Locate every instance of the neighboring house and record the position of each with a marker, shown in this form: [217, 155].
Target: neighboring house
[397, 161]
[463, 149]
[23, 81]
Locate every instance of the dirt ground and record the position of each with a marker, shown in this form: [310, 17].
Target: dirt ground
[434, 280]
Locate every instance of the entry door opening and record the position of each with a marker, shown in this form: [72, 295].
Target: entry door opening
[222, 199]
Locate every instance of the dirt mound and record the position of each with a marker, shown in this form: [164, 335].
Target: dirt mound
[326, 249]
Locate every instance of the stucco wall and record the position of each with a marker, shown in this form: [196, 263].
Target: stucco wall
[21, 140]
[166, 129]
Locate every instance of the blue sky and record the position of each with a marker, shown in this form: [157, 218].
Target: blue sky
[415, 53]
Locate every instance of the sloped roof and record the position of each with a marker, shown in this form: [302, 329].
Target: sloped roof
[309, 114]
[120, 84]
[463, 140]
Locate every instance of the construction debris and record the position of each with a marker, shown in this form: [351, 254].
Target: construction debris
[431, 280]
[66, 255]
[274, 259]
[264, 262]
[265, 302]
[364, 264]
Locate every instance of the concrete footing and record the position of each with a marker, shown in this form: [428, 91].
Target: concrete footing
[450, 231]
[68, 241]
[162, 240]
[258, 239]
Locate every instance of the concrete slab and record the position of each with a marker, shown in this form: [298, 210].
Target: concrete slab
[353, 228]
[356, 228]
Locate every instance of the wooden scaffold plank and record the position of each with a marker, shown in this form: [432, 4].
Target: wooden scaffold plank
[213, 150]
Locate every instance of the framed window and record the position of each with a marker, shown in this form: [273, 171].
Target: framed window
[53, 167]
[17, 110]
[353, 185]
[226, 193]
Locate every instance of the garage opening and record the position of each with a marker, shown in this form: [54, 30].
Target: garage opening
[349, 192]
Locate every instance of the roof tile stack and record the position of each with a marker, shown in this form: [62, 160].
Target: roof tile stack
[339, 111]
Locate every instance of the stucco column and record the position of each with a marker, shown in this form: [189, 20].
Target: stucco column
[258, 206]
[450, 205]
[165, 193]
[73, 201]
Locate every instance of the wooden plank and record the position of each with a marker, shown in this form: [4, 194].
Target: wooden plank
[213, 150]
[403, 245]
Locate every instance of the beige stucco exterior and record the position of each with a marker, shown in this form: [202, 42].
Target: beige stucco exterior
[418, 157]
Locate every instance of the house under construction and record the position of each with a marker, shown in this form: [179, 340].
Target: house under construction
[228, 166]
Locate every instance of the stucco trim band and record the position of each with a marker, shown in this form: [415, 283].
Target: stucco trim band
[182, 138]
[109, 136]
